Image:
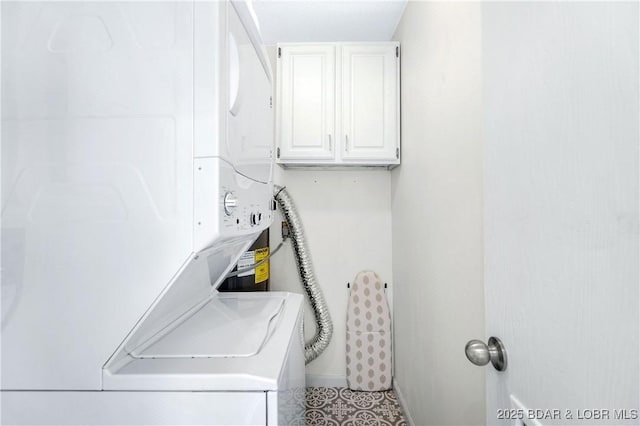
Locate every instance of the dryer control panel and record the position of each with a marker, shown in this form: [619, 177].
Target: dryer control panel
[246, 209]
[235, 207]
[242, 217]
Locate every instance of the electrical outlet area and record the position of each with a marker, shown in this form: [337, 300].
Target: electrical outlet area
[285, 230]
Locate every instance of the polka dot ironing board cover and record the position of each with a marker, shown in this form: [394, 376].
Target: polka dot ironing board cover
[368, 335]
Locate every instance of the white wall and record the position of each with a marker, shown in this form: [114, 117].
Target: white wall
[347, 221]
[437, 214]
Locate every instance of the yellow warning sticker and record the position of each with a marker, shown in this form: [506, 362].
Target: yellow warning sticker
[262, 271]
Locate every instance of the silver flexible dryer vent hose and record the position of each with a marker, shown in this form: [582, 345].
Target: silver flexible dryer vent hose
[324, 328]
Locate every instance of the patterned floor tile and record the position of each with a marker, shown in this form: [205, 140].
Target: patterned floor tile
[344, 407]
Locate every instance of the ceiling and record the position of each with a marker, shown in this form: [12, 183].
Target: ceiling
[327, 20]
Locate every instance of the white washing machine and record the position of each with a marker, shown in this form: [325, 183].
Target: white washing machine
[136, 169]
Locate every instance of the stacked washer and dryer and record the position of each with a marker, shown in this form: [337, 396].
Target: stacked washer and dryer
[136, 169]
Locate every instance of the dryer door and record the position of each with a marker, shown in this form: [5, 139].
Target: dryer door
[250, 114]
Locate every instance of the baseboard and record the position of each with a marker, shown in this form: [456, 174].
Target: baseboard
[329, 381]
[403, 403]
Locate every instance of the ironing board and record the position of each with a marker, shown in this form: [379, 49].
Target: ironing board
[368, 335]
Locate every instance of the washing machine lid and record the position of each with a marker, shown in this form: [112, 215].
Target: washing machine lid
[226, 326]
[188, 292]
[239, 342]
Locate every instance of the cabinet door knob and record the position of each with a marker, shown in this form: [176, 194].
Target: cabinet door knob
[330, 145]
[346, 143]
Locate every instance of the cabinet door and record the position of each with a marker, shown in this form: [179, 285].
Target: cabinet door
[370, 107]
[306, 102]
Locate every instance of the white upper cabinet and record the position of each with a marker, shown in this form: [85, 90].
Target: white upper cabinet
[370, 102]
[338, 104]
[306, 102]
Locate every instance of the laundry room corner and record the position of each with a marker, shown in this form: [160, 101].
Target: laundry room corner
[345, 234]
[346, 216]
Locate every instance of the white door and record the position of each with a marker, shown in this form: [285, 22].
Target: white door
[370, 87]
[306, 98]
[561, 225]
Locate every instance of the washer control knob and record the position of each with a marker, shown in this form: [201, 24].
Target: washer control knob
[255, 219]
[230, 203]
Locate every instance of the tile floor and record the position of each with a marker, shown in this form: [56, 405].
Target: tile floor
[342, 406]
